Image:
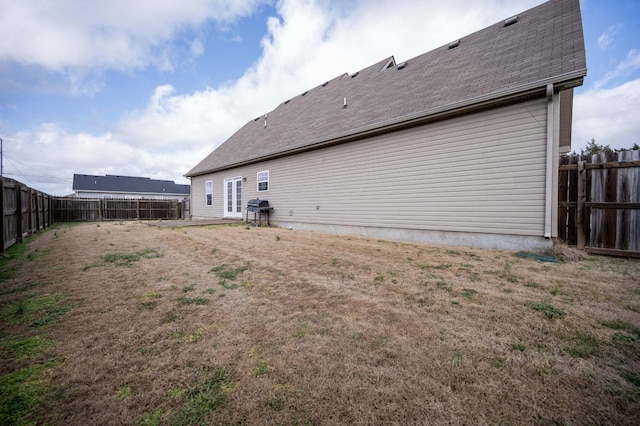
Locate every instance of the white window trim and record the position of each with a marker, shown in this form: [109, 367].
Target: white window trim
[208, 189]
[261, 181]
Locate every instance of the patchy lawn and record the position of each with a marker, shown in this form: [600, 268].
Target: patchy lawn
[124, 323]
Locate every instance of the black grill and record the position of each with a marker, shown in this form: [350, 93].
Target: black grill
[259, 208]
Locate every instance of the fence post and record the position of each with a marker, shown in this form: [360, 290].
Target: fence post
[29, 212]
[18, 212]
[582, 196]
[2, 236]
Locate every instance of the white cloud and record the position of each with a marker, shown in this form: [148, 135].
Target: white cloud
[608, 115]
[78, 37]
[606, 38]
[622, 70]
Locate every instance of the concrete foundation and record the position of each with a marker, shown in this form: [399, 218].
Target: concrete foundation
[466, 239]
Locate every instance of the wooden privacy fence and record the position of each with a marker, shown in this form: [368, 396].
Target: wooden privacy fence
[24, 211]
[91, 209]
[599, 203]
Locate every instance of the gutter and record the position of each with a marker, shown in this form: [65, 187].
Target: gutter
[548, 190]
[559, 82]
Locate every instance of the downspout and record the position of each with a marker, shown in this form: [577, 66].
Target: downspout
[548, 199]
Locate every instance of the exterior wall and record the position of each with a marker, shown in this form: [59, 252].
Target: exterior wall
[477, 174]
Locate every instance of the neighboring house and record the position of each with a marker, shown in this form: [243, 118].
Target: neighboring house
[458, 146]
[110, 186]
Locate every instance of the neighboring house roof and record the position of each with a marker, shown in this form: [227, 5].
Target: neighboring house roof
[545, 45]
[127, 184]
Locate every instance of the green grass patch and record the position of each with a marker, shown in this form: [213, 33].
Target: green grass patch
[548, 309]
[127, 259]
[151, 304]
[151, 418]
[532, 284]
[171, 316]
[123, 391]
[193, 300]
[20, 394]
[8, 261]
[626, 333]
[300, 331]
[227, 272]
[519, 346]
[442, 266]
[30, 347]
[261, 369]
[468, 293]
[25, 287]
[586, 345]
[507, 274]
[36, 311]
[618, 324]
[624, 338]
[228, 285]
[188, 288]
[200, 399]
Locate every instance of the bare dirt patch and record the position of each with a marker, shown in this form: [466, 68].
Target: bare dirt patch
[228, 324]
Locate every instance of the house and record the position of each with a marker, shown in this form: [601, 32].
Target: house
[455, 146]
[111, 186]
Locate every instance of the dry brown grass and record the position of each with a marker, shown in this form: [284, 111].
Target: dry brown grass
[325, 329]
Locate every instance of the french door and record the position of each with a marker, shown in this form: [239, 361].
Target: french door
[233, 197]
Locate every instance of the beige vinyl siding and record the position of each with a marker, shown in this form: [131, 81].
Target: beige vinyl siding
[478, 173]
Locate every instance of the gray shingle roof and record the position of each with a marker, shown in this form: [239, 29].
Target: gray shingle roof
[546, 45]
[127, 184]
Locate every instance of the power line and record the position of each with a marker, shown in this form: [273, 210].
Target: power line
[42, 176]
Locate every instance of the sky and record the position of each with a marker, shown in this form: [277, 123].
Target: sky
[149, 88]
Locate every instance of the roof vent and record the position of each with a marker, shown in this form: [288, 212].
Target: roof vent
[510, 21]
[355, 74]
[258, 118]
[265, 120]
[391, 62]
[454, 44]
[305, 93]
[287, 101]
[325, 84]
[402, 65]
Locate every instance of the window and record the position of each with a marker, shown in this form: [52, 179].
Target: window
[263, 181]
[209, 191]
